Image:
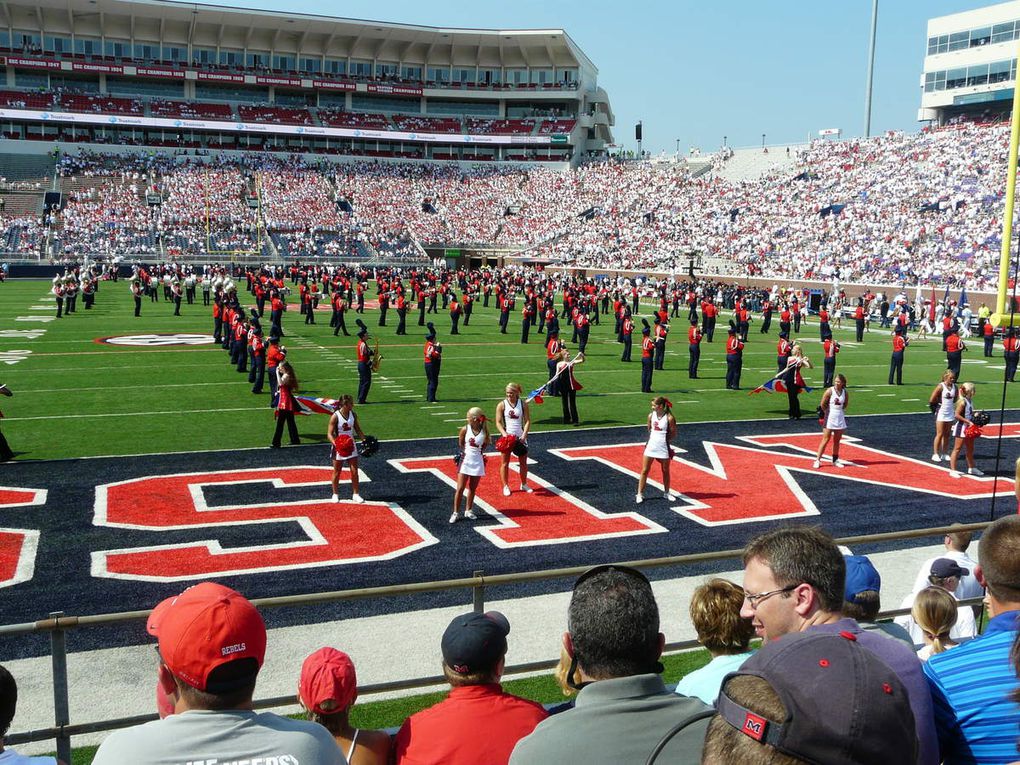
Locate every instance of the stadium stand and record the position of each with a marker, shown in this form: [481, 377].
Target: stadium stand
[190, 110]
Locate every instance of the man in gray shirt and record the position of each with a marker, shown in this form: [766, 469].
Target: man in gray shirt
[212, 643]
[623, 709]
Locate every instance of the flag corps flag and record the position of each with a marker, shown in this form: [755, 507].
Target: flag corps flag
[310, 405]
[775, 385]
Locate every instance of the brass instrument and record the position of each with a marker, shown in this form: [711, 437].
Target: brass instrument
[376, 357]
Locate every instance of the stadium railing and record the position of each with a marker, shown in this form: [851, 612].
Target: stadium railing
[58, 624]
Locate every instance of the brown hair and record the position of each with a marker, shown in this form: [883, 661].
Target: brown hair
[999, 553]
[725, 744]
[935, 612]
[715, 614]
[799, 555]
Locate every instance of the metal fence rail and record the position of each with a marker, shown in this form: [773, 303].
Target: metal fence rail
[57, 624]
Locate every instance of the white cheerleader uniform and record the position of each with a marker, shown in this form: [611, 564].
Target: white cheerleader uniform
[947, 403]
[658, 437]
[960, 428]
[473, 464]
[513, 417]
[837, 411]
[344, 427]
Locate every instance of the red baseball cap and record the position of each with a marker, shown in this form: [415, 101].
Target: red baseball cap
[205, 627]
[328, 682]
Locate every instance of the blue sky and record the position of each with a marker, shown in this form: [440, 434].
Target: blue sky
[699, 71]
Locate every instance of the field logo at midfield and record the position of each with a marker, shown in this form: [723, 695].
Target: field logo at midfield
[156, 341]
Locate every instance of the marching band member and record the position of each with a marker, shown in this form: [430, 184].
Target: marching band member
[899, 345]
[552, 355]
[433, 361]
[513, 418]
[569, 386]
[661, 432]
[693, 349]
[286, 405]
[793, 379]
[364, 363]
[471, 441]
[734, 359]
[647, 352]
[344, 451]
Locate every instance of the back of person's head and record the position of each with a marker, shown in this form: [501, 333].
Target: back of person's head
[802, 554]
[999, 552]
[715, 614]
[8, 700]
[212, 642]
[861, 599]
[935, 612]
[812, 697]
[327, 688]
[614, 623]
[474, 646]
[960, 540]
[724, 744]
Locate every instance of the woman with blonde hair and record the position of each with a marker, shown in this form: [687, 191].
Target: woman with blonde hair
[943, 405]
[834, 405]
[963, 414]
[935, 611]
[471, 441]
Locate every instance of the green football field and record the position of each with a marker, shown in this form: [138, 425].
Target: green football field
[76, 396]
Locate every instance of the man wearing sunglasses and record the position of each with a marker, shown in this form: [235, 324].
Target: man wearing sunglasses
[794, 582]
[623, 708]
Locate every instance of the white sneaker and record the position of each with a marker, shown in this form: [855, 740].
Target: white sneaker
[527, 489]
[954, 474]
[335, 498]
[668, 496]
[638, 498]
[974, 471]
[945, 458]
[454, 518]
[470, 515]
[936, 458]
[357, 499]
[816, 464]
[837, 463]
[506, 491]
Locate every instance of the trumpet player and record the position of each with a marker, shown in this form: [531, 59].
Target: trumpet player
[433, 361]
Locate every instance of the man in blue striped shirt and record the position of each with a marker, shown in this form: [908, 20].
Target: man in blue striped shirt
[971, 685]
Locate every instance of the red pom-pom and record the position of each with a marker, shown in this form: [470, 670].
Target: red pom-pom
[972, 431]
[505, 444]
[343, 445]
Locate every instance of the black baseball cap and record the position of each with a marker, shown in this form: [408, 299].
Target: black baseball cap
[946, 567]
[844, 705]
[475, 642]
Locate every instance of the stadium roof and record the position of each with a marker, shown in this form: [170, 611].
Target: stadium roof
[203, 25]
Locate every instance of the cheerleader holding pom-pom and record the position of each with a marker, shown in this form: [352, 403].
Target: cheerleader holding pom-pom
[472, 440]
[661, 432]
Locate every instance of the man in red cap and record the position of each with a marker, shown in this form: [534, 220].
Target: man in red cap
[478, 721]
[212, 643]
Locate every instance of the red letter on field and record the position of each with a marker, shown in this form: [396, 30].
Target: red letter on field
[337, 533]
[18, 547]
[549, 516]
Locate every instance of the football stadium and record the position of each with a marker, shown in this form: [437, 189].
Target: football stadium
[653, 412]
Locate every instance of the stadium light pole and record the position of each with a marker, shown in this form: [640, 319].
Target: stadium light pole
[871, 69]
[763, 140]
[678, 147]
[1007, 217]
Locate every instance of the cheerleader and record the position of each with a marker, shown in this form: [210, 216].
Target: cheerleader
[943, 405]
[471, 440]
[661, 432]
[344, 423]
[513, 418]
[963, 414]
[834, 404]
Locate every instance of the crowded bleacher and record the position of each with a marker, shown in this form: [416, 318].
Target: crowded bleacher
[923, 208]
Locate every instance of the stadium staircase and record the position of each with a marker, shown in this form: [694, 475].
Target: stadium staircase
[751, 164]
